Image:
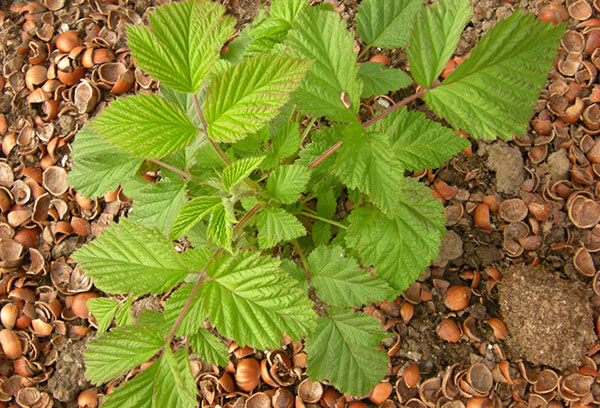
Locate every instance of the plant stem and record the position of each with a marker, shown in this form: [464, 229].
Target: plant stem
[173, 169]
[363, 52]
[300, 253]
[307, 130]
[214, 145]
[316, 217]
[325, 155]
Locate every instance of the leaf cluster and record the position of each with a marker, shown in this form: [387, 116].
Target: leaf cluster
[260, 153]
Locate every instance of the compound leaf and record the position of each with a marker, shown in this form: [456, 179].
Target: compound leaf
[98, 167]
[191, 213]
[493, 92]
[220, 228]
[117, 351]
[340, 281]
[434, 37]
[103, 310]
[249, 298]
[193, 319]
[248, 95]
[184, 42]
[418, 142]
[344, 352]
[168, 382]
[145, 126]
[365, 161]
[156, 206]
[276, 225]
[240, 169]
[130, 258]
[401, 247]
[209, 347]
[321, 36]
[286, 183]
[386, 23]
[378, 79]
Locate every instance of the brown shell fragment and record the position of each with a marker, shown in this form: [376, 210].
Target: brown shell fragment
[11, 345]
[247, 374]
[258, 400]
[282, 398]
[577, 384]
[310, 391]
[584, 212]
[584, 263]
[580, 10]
[86, 96]
[449, 331]
[513, 210]
[54, 179]
[480, 378]
[499, 328]
[547, 381]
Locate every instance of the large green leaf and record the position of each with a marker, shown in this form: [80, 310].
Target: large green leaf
[386, 23]
[98, 167]
[287, 10]
[103, 310]
[434, 37]
[130, 258]
[276, 225]
[399, 248]
[145, 126]
[321, 36]
[493, 92]
[210, 348]
[184, 42]
[286, 183]
[366, 162]
[248, 95]
[344, 352]
[166, 383]
[339, 280]
[418, 142]
[239, 170]
[378, 79]
[114, 353]
[191, 213]
[249, 298]
[156, 206]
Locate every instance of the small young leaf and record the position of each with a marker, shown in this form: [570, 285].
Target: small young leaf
[117, 351]
[249, 298]
[124, 316]
[321, 36]
[156, 206]
[103, 310]
[339, 281]
[145, 126]
[276, 225]
[286, 141]
[266, 35]
[248, 95]
[297, 273]
[418, 142]
[343, 351]
[219, 228]
[193, 319]
[493, 92]
[386, 23]
[98, 167]
[210, 348]
[166, 383]
[434, 37]
[184, 43]
[239, 170]
[366, 161]
[129, 258]
[287, 10]
[379, 80]
[286, 183]
[399, 248]
[191, 213]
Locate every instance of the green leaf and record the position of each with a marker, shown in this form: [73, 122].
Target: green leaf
[129, 258]
[286, 183]
[276, 225]
[195, 259]
[248, 95]
[418, 142]
[183, 100]
[286, 141]
[145, 126]
[322, 140]
[156, 206]
[191, 213]
[249, 298]
[493, 92]
[339, 280]
[321, 36]
[379, 80]
[209, 347]
[168, 382]
[399, 248]
[386, 23]
[119, 350]
[287, 10]
[239, 170]
[434, 37]
[219, 228]
[124, 316]
[98, 167]
[297, 273]
[103, 310]
[343, 351]
[184, 43]
[193, 319]
[366, 161]
[266, 35]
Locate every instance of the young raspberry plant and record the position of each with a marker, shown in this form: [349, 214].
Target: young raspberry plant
[255, 152]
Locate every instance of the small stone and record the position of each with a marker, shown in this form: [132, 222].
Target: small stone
[68, 378]
[559, 164]
[507, 162]
[450, 248]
